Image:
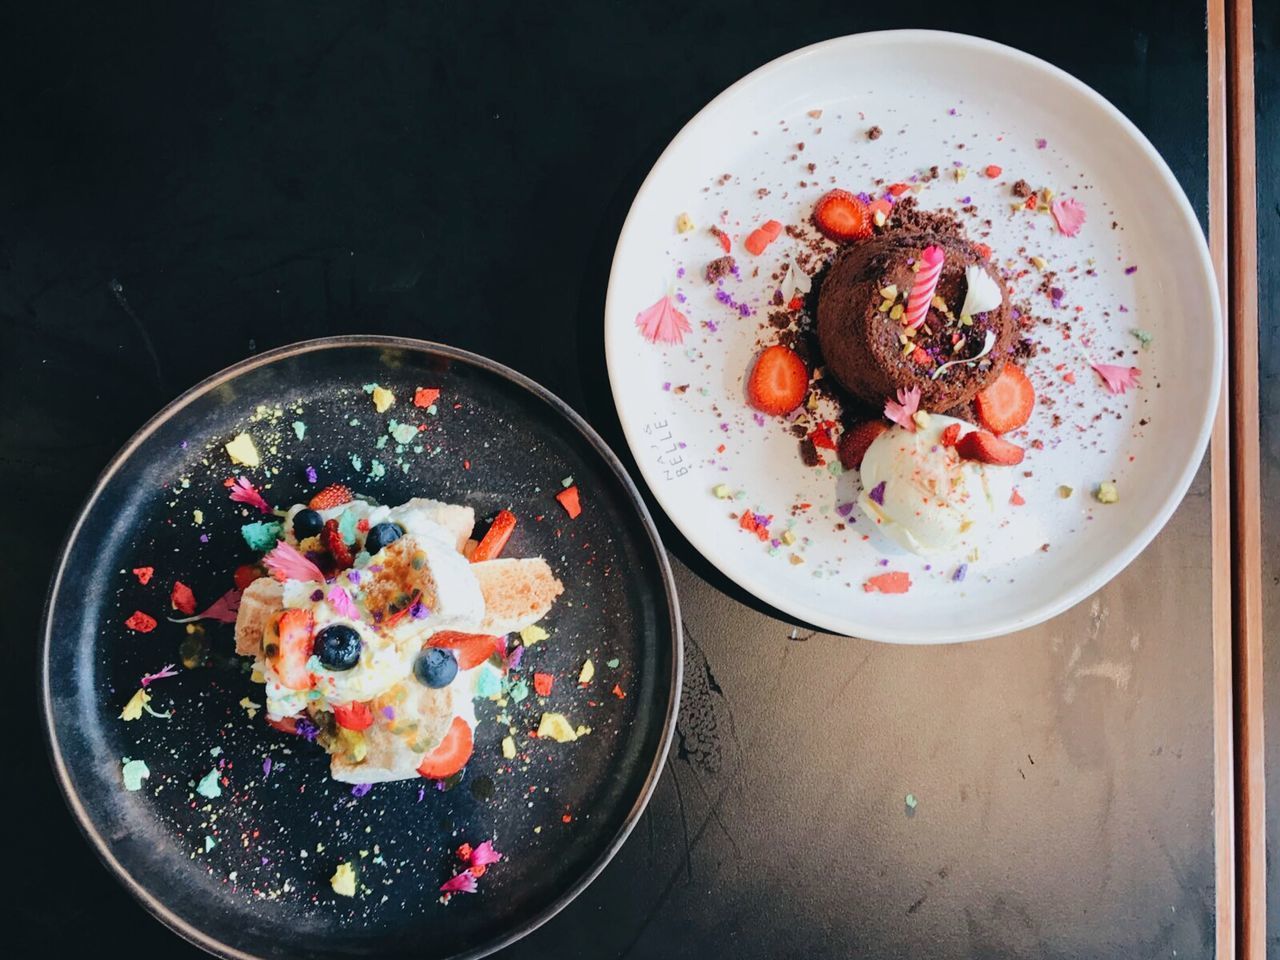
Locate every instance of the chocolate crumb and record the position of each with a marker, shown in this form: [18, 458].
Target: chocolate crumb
[875, 133]
[808, 453]
[719, 267]
[1021, 189]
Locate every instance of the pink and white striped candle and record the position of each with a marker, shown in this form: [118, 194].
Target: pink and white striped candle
[926, 283]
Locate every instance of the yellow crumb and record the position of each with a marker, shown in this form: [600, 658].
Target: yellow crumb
[242, 451]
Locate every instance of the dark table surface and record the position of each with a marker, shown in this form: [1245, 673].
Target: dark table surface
[183, 185]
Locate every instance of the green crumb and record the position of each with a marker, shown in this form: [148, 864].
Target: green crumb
[299, 429]
[612, 664]
[834, 468]
[1143, 337]
[347, 526]
[1065, 492]
[519, 691]
[370, 387]
[567, 482]
[134, 772]
[403, 432]
[208, 785]
[721, 491]
[381, 442]
[1106, 492]
[377, 470]
[209, 843]
[356, 462]
[488, 682]
[261, 535]
[353, 422]
[911, 801]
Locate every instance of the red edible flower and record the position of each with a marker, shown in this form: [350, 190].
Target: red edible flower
[182, 599]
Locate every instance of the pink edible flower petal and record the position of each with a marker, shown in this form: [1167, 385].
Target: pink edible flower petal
[903, 411]
[224, 610]
[1117, 379]
[342, 604]
[1069, 216]
[168, 670]
[663, 323]
[242, 491]
[286, 563]
[464, 882]
[484, 854]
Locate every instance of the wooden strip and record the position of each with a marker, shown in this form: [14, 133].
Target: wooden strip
[1246, 495]
[1220, 503]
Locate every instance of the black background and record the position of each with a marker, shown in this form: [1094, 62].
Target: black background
[182, 185]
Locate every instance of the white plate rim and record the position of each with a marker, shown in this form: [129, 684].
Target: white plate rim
[1108, 569]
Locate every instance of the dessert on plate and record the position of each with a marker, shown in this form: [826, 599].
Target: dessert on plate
[912, 322]
[376, 627]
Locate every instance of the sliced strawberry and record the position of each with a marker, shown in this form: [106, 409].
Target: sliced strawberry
[842, 217]
[289, 650]
[284, 724]
[451, 755]
[778, 383]
[490, 547]
[472, 649]
[571, 501]
[1006, 404]
[246, 574]
[988, 448]
[331, 537]
[722, 238]
[355, 715]
[855, 442]
[950, 434]
[334, 495]
[993, 171]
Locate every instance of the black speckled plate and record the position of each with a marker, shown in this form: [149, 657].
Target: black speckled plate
[246, 873]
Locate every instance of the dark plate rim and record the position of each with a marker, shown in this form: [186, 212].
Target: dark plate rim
[151, 903]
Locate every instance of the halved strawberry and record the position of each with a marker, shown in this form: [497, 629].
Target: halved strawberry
[842, 217]
[855, 442]
[334, 495]
[288, 651]
[1006, 404]
[451, 755]
[331, 537]
[472, 649]
[490, 546]
[778, 383]
[247, 573]
[355, 715]
[950, 434]
[988, 448]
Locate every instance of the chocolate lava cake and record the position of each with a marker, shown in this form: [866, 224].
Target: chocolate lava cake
[863, 338]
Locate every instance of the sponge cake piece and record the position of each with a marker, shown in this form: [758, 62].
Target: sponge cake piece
[259, 602]
[517, 593]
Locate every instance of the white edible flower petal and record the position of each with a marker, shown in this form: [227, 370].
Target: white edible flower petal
[982, 293]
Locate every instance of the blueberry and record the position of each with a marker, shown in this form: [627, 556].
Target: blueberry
[338, 646]
[436, 667]
[382, 535]
[307, 523]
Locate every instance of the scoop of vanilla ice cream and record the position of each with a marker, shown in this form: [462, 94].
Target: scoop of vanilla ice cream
[923, 495]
